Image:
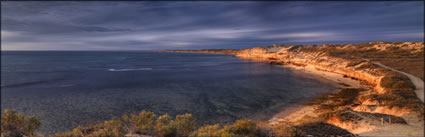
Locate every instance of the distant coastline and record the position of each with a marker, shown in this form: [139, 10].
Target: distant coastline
[216, 51]
[382, 91]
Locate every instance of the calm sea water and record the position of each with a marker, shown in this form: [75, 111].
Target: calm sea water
[66, 89]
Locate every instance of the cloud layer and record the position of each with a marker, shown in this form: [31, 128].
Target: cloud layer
[202, 25]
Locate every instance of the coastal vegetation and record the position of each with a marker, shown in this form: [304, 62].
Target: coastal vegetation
[333, 101]
[144, 123]
[147, 124]
[15, 124]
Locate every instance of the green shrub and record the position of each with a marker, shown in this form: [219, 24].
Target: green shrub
[354, 63]
[333, 101]
[185, 124]
[142, 123]
[127, 123]
[398, 43]
[420, 53]
[405, 93]
[394, 48]
[421, 112]
[207, 131]
[241, 128]
[17, 124]
[65, 134]
[164, 126]
[396, 98]
[288, 131]
[76, 132]
[363, 45]
[397, 82]
[112, 128]
[346, 96]
[79, 131]
[340, 113]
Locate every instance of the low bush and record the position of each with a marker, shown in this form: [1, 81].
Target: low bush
[185, 124]
[112, 128]
[207, 131]
[15, 124]
[397, 82]
[164, 127]
[143, 123]
[420, 53]
[331, 102]
[346, 96]
[287, 131]
[328, 114]
[396, 98]
[354, 63]
[398, 43]
[241, 128]
[322, 129]
[421, 111]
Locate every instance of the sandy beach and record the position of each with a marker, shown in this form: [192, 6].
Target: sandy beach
[296, 112]
[369, 127]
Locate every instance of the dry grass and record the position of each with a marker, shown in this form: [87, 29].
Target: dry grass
[414, 66]
[144, 123]
[330, 102]
[395, 57]
[15, 124]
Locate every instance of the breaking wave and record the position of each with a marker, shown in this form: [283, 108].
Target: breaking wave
[137, 69]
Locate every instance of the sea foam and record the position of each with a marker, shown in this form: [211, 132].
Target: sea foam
[136, 69]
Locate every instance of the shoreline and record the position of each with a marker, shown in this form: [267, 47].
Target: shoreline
[372, 102]
[296, 111]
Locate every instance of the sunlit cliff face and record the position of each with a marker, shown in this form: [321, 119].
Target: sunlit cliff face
[295, 55]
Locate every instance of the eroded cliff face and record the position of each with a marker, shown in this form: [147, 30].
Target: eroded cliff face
[389, 94]
[290, 55]
[361, 108]
[356, 68]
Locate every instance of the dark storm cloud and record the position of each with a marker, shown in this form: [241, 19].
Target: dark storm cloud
[200, 25]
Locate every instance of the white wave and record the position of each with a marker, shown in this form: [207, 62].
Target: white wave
[137, 69]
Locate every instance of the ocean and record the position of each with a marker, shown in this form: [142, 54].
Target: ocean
[69, 88]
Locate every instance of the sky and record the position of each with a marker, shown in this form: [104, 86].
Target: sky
[102, 25]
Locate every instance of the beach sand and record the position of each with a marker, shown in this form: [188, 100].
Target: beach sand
[292, 114]
[296, 112]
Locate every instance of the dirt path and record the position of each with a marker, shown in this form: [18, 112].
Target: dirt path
[419, 84]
